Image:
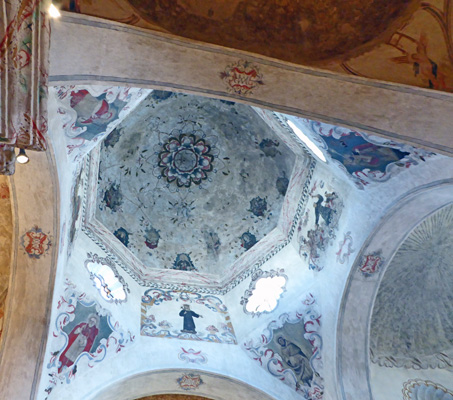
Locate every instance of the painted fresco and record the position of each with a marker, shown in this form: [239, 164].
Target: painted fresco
[89, 113]
[418, 53]
[84, 334]
[328, 30]
[290, 350]
[190, 183]
[366, 159]
[408, 42]
[318, 228]
[185, 315]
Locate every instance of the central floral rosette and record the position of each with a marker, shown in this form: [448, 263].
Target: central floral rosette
[185, 160]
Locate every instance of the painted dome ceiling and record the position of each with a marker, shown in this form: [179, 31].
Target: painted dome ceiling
[412, 321]
[190, 184]
[300, 31]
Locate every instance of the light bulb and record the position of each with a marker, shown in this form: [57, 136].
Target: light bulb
[22, 157]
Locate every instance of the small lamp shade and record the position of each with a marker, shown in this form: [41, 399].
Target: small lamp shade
[22, 157]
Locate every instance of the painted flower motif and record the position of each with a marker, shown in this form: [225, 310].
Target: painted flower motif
[226, 328]
[248, 240]
[112, 138]
[113, 198]
[212, 329]
[186, 160]
[152, 237]
[183, 263]
[165, 324]
[160, 95]
[258, 206]
[149, 325]
[35, 242]
[269, 147]
[370, 264]
[189, 381]
[122, 235]
[242, 77]
[282, 184]
[151, 318]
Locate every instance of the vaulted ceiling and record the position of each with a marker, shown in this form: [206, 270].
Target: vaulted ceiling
[184, 203]
[191, 184]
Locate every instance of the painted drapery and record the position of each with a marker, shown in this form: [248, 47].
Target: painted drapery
[24, 46]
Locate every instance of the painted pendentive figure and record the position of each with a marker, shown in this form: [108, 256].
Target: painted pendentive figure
[188, 314]
[296, 359]
[322, 210]
[81, 339]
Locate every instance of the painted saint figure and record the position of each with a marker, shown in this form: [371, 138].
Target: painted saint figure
[81, 339]
[188, 314]
[296, 359]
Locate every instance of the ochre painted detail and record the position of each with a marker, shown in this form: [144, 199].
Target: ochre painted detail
[6, 235]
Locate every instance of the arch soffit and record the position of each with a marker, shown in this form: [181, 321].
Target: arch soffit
[35, 238]
[149, 383]
[207, 70]
[361, 289]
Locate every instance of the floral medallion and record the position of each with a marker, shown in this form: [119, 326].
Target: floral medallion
[189, 381]
[242, 77]
[113, 198]
[370, 264]
[36, 242]
[258, 206]
[186, 160]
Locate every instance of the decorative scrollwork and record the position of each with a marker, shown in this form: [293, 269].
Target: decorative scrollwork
[111, 285]
[256, 277]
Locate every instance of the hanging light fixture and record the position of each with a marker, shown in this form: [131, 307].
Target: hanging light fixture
[22, 157]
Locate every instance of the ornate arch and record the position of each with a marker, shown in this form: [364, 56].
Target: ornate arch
[356, 308]
[180, 382]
